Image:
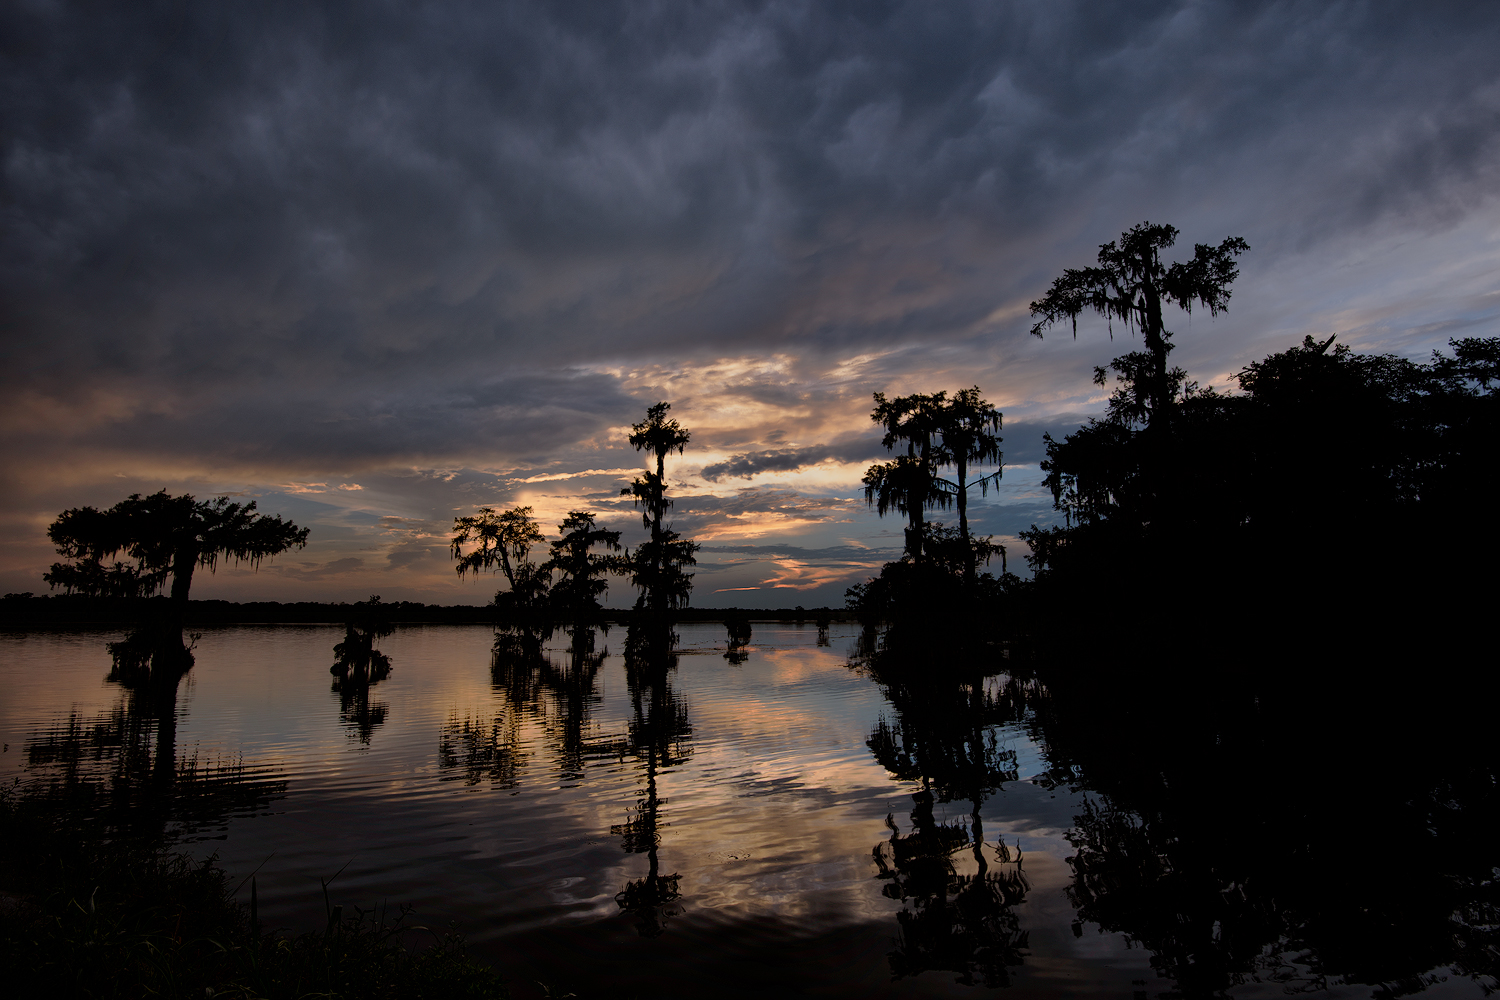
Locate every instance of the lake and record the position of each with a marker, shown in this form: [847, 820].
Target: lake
[777, 821]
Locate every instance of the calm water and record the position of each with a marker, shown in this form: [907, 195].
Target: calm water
[545, 811]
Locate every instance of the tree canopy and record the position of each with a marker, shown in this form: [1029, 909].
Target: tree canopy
[166, 537]
[578, 571]
[658, 566]
[939, 568]
[1131, 284]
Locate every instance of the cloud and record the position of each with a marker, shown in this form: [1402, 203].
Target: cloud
[750, 464]
[284, 245]
[838, 553]
[316, 572]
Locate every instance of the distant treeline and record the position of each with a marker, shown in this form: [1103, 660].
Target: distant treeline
[21, 610]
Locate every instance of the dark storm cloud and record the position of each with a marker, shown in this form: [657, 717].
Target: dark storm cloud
[830, 553]
[750, 508]
[315, 571]
[518, 417]
[326, 235]
[1023, 442]
[443, 157]
[750, 464]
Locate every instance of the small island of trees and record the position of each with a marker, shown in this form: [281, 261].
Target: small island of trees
[566, 587]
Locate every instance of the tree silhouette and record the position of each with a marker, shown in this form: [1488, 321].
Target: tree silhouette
[968, 425]
[937, 574]
[910, 484]
[1131, 284]
[579, 572]
[659, 737]
[358, 664]
[737, 624]
[168, 538]
[658, 564]
[502, 540]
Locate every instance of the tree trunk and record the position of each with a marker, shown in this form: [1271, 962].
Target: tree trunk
[656, 600]
[170, 659]
[970, 563]
[916, 505]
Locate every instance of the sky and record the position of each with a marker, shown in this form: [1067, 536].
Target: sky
[374, 265]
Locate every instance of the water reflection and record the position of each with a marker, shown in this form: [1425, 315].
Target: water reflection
[473, 751]
[737, 624]
[962, 921]
[658, 737]
[1241, 832]
[121, 772]
[958, 893]
[1237, 827]
[533, 683]
[358, 665]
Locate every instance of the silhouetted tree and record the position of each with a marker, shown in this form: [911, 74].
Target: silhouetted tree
[737, 624]
[937, 576]
[968, 425]
[910, 484]
[1373, 442]
[579, 572]
[1131, 284]
[502, 540]
[168, 538]
[658, 565]
[358, 664]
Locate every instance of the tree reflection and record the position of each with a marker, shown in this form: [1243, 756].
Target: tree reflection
[1241, 835]
[121, 770]
[533, 683]
[944, 733]
[737, 624]
[358, 665]
[658, 737]
[962, 922]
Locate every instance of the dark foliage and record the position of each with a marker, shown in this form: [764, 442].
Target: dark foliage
[578, 572]
[1284, 819]
[1302, 487]
[1224, 616]
[737, 625]
[168, 538]
[358, 665]
[1131, 284]
[502, 540]
[936, 583]
[658, 566]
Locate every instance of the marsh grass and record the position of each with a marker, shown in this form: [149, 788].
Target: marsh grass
[85, 915]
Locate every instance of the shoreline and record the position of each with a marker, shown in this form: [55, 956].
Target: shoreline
[46, 611]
